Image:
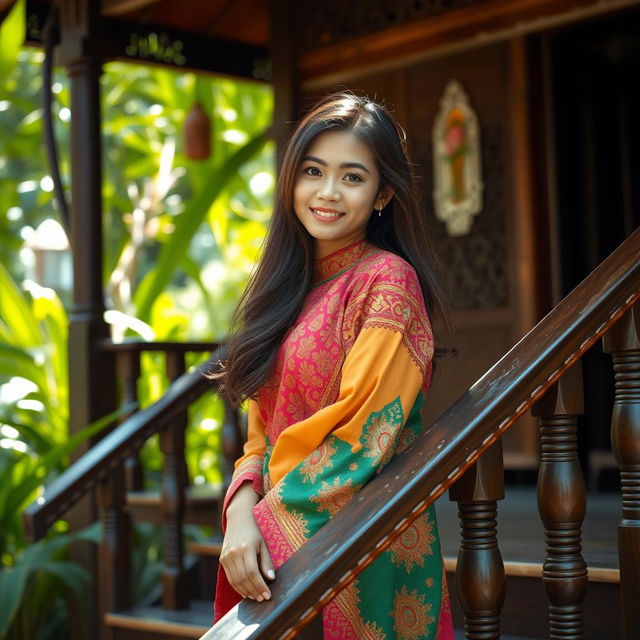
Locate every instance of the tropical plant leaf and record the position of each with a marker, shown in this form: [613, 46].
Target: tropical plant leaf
[17, 314]
[39, 471]
[173, 252]
[12, 32]
[13, 581]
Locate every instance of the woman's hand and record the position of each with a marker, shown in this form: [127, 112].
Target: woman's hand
[245, 557]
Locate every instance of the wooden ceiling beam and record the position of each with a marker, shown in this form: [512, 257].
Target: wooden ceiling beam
[120, 7]
[467, 27]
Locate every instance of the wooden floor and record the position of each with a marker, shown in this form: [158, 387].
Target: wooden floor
[521, 535]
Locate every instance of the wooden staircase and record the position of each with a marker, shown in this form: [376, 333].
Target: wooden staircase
[524, 614]
[521, 541]
[460, 452]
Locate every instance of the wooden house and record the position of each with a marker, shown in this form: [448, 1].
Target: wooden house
[548, 96]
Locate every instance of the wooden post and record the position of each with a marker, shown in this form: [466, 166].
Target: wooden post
[174, 486]
[284, 73]
[623, 343]
[114, 586]
[562, 500]
[231, 448]
[480, 576]
[91, 370]
[128, 366]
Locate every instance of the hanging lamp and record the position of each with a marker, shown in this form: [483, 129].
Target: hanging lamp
[197, 133]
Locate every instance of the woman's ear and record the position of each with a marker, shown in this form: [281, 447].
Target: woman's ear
[384, 197]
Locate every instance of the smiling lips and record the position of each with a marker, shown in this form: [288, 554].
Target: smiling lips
[326, 214]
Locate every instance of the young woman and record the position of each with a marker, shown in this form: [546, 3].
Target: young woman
[334, 352]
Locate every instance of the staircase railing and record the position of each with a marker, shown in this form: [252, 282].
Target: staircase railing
[387, 505]
[113, 469]
[409, 484]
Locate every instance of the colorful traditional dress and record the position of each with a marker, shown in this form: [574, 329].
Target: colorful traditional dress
[343, 398]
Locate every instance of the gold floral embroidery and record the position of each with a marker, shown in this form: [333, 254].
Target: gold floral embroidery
[340, 260]
[410, 614]
[252, 465]
[332, 496]
[318, 461]
[293, 524]
[380, 433]
[407, 438]
[412, 545]
[306, 347]
[347, 601]
[307, 375]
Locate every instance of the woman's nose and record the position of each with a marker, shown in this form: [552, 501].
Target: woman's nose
[328, 191]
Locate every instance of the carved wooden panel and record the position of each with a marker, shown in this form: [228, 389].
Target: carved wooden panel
[319, 24]
[473, 266]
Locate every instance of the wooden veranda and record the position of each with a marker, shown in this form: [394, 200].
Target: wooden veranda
[512, 57]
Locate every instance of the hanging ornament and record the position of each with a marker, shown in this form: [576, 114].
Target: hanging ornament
[197, 133]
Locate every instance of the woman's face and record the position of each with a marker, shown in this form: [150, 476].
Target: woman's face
[336, 189]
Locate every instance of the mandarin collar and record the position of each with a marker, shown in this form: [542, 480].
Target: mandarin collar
[339, 261]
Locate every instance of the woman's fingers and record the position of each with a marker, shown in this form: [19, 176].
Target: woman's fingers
[266, 565]
[255, 580]
[241, 566]
[234, 568]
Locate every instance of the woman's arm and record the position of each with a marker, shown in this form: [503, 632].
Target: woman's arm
[245, 556]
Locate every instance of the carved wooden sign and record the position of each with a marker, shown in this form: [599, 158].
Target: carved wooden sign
[457, 192]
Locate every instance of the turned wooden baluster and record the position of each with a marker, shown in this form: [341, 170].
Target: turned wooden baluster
[114, 553]
[480, 576]
[174, 484]
[623, 343]
[128, 367]
[231, 446]
[231, 440]
[562, 500]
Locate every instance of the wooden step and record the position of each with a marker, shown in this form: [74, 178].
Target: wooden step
[201, 505]
[211, 547]
[147, 623]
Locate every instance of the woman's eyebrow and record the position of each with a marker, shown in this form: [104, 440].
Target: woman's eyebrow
[344, 165]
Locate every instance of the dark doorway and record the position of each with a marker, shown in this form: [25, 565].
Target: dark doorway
[596, 103]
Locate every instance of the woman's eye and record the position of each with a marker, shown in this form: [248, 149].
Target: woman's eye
[312, 171]
[353, 177]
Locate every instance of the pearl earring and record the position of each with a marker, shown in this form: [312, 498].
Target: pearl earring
[380, 212]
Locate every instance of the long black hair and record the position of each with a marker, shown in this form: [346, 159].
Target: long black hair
[277, 289]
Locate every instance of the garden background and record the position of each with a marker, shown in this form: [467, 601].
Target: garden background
[181, 238]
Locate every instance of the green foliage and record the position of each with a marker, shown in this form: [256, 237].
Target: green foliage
[181, 238]
[31, 604]
[34, 448]
[12, 31]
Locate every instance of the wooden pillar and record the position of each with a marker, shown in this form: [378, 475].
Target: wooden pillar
[231, 448]
[174, 486]
[91, 370]
[623, 343]
[115, 574]
[562, 502]
[128, 366]
[480, 576]
[284, 72]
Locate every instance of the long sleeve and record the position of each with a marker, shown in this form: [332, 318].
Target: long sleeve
[249, 468]
[319, 463]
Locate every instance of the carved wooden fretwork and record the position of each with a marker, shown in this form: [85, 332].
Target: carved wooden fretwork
[474, 266]
[457, 193]
[334, 21]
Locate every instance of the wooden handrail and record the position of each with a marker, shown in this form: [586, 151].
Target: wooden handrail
[410, 483]
[95, 465]
[136, 345]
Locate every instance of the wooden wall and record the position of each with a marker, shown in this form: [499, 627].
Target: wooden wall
[490, 274]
